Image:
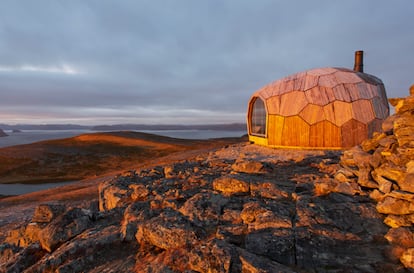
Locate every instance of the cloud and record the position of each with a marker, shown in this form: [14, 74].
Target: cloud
[59, 69]
[188, 61]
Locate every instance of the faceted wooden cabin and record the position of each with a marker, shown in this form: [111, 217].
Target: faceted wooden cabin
[328, 108]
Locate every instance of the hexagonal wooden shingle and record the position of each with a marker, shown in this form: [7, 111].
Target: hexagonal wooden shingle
[292, 103]
[312, 114]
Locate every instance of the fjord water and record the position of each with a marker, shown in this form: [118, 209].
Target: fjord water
[30, 136]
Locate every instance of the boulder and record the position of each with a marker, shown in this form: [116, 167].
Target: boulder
[258, 217]
[268, 189]
[169, 230]
[401, 236]
[391, 205]
[139, 192]
[213, 256]
[115, 193]
[134, 214]
[64, 227]
[396, 221]
[22, 260]
[45, 213]
[204, 208]
[407, 258]
[248, 166]
[231, 185]
[98, 246]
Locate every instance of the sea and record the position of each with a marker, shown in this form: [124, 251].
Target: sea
[31, 136]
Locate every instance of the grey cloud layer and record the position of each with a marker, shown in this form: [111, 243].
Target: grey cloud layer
[204, 57]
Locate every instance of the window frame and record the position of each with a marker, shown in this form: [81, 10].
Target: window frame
[255, 120]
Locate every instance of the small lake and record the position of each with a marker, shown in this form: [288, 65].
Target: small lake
[17, 189]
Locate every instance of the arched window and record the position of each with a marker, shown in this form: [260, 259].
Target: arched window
[258, 118]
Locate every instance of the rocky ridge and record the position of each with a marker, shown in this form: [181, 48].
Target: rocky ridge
[384, 167]
[241, 208]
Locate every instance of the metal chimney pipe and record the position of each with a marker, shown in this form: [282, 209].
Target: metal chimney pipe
[359, 61]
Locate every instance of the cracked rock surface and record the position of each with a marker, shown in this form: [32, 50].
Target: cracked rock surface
[241, 208]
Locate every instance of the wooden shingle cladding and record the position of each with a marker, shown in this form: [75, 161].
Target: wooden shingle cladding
[320, 108]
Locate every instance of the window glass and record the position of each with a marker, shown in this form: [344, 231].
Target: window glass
[258, 118]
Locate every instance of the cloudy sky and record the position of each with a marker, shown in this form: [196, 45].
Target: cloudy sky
[184, 61]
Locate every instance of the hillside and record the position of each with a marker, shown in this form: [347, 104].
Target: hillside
[89, 155]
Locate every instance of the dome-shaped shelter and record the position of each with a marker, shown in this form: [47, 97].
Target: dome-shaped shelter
[319, 108]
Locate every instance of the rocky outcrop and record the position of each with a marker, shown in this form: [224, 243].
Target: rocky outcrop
[2, 133]
[384, 167]
[243, 208]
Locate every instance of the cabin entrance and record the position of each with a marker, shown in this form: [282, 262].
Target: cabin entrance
[258, 118]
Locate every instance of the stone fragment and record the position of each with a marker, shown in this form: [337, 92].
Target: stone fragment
[384, 185]
[167, 231]
[133, 215]
[405, 136]
[63, 228]
[388, 124]
[47, 212]
[114, 193]
[325, 186]
[364, 179]
[169, 171]
[139, 192]
[250, 211]
[391, 205]
[372, 143]
[377, 195]
[407, 258]
[96, 247]
[32, 233]
[396, 221]
[391, 173]
[231, 185]
[248, 166]
[388, 142]
[213, 256]
[356, 157]
[402, 105]
[361, 157]
[16, 237]
[204, 208]
[233, 234]
[267, 190]
[22, 260]
[410, 167]
[402, 195]
[342, 177]
[401, 236]
[407, 184]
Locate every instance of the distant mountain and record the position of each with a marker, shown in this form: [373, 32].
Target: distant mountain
[44, 127]
[125, 127]
[138, 127]
[2, 133]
